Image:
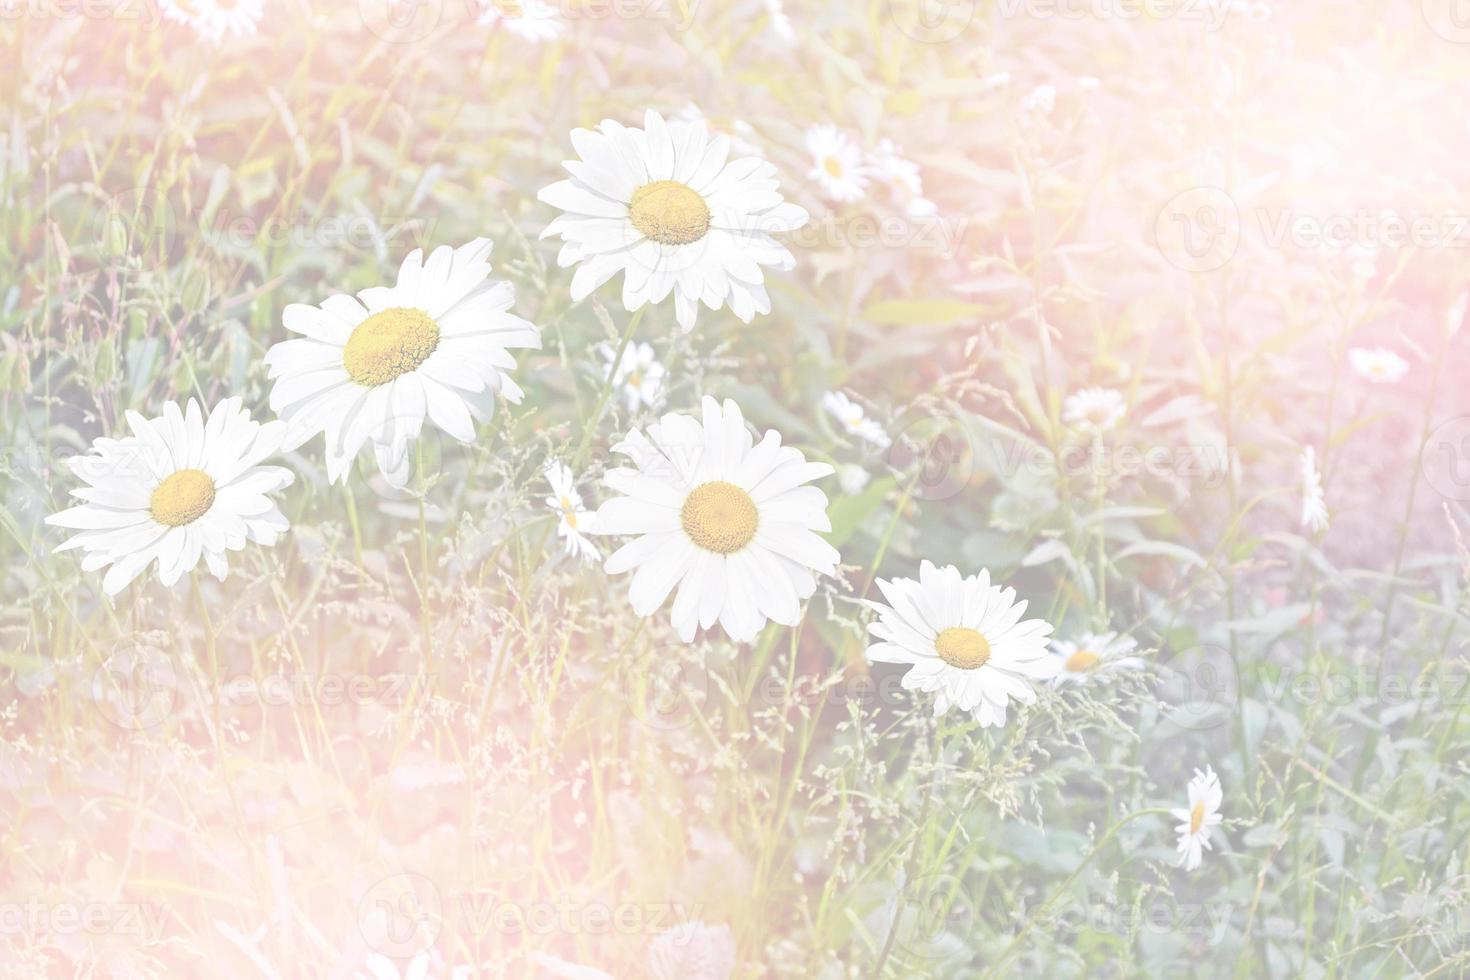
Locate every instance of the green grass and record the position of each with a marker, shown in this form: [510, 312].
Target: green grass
[416, 709]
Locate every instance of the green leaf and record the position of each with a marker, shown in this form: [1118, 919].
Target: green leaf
[1164, 549]
[848, 513]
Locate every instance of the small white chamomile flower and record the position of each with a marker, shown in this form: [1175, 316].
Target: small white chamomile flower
[726, 524]
[178, 490]
[1315, 517]
[887, 163]
[640, 376]
[1039, 102]
[744, 142]
[666, 207]
[780, 21]
[964, 639]
[532, 21]
[853, 479]
[1093, 656]
[1377, 365]
[574, 521]
[1196, 821]
[854, 421]
[837, 164]
[371, 369]
[1094, 409]
[215, 20]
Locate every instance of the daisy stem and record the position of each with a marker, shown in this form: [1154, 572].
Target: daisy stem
[1056, 896]
[207, 624]
[590, 427]
[888, 532]
[1426, 429]
[910, 864]
[855, 656]
[1099, 497]
[424, 623]
[352, 519]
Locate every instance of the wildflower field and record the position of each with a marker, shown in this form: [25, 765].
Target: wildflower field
[694, 490]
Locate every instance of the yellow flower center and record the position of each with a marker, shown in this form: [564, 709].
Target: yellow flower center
[389, 344]
[1082, 660]
[1196, 817]
[669, 212]
[833, 166]
[962, 647]
[182, 498]
[719, 517]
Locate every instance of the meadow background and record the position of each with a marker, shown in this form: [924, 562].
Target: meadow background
[417, 738]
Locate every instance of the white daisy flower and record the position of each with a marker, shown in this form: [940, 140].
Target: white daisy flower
[371, 369]
[640, 376]
[1094, 409]
[1377, 365]
[575, 520]
[1040, 101]
[664, 206]
[887, 163]
[743, 139]
[1314, 503]
[965, 639]
[692, 951]
[1093, 656]
[1363, 261]
[380, 967]
[1455, 317]
[177, 490]
[1202, 814]
[731, 524]
[214, 20]
[780, 21]
[854, 421]
[837, 164]
[566, 970]
[533, 21]
[853, 479]
[920, 208]
[420, 775]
